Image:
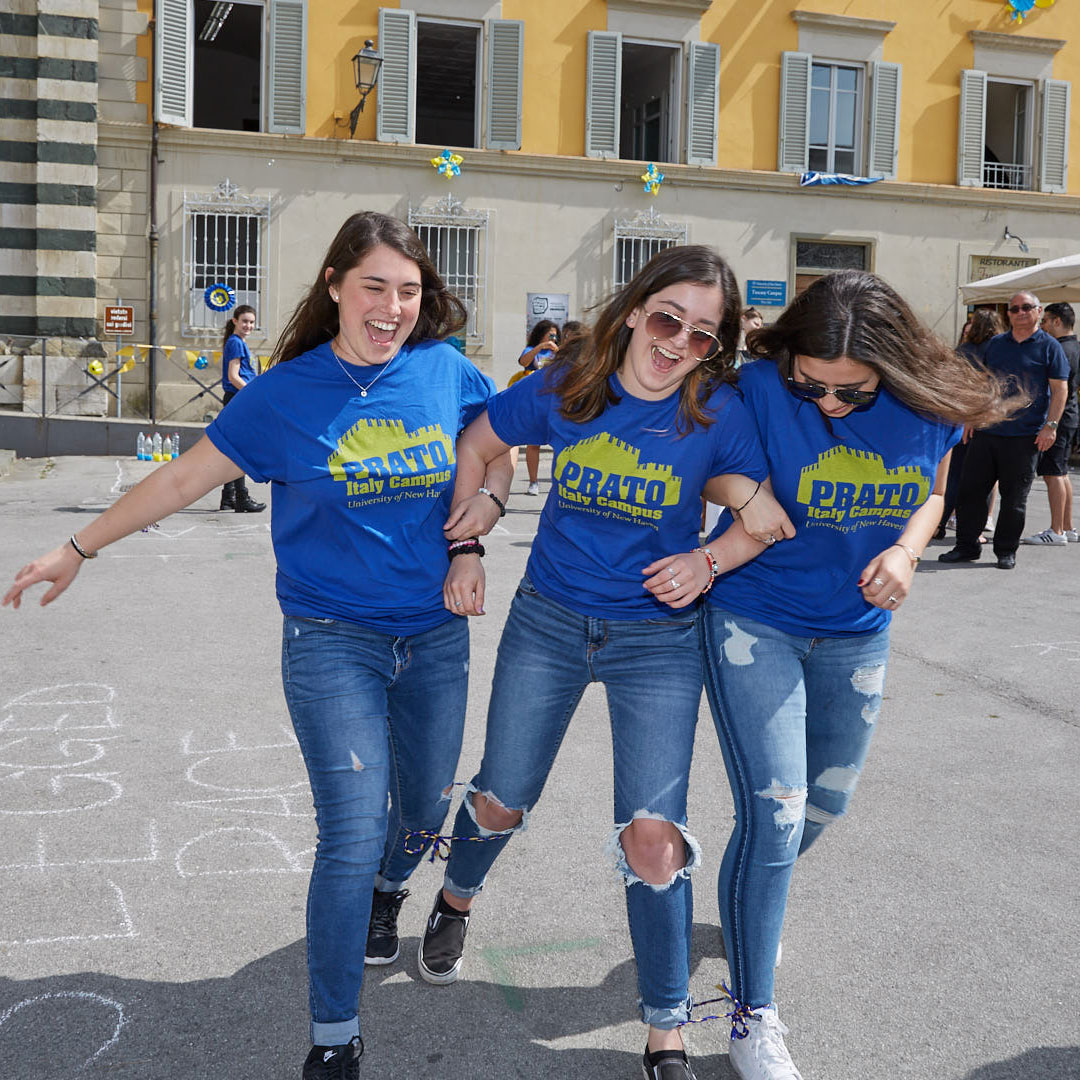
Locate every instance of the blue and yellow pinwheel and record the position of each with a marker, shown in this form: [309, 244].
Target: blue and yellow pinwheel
[1020, 8]
[653, 178]
[448, 164]
[219, 297]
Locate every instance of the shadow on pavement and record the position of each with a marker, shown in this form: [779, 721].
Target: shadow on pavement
[1042, 1063]
[254, 1024]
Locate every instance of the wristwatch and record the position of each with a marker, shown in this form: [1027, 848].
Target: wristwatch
[1051, 424]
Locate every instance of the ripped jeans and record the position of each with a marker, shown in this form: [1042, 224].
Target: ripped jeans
[378, 717]
[786, 709]
[651, 671]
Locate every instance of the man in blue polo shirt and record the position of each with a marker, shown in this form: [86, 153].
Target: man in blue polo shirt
[1029, 360]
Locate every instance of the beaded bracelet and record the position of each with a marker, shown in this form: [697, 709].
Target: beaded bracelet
[495, 499]
[80, 549]
[714, 568]
[750, 500]
[471, 546]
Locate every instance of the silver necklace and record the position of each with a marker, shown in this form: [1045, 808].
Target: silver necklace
[364, 389]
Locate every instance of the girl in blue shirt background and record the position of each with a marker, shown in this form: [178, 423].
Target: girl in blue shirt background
[237, 372]
[641, 418]
[857, 406]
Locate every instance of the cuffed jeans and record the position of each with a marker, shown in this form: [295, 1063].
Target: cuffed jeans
[651, 671]
[377, 717]
[795, 716]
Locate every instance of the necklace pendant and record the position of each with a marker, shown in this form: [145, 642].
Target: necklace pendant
[363, 393]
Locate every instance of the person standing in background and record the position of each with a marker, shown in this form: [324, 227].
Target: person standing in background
[237, 371]
[541, 346]
[1058, 321]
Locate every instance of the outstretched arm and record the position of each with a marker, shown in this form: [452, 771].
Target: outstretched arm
[166, 490]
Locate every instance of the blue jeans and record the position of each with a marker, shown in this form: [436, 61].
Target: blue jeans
[378, 718]
[795, 716]
[651, 671]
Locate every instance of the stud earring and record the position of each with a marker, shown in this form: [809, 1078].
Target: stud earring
[334, 297]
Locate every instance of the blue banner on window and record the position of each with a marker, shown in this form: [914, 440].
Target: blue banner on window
[766, 293]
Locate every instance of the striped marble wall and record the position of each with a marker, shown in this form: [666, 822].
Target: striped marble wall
[48, 167]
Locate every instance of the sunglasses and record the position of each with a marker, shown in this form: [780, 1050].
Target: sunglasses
[662, 325]
[1025, 308]
[815, 392]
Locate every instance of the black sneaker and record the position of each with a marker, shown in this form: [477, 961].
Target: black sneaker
[382, 939]
[665, 1065]
[439, 955]
[335, 1062]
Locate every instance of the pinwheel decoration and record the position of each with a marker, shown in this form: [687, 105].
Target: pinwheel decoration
[95, 367]
[447, 164]
[1020, 8]
[219, 297]
[653, 178]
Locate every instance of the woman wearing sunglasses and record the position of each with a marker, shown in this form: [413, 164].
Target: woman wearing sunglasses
[857, 407]
[640, 418]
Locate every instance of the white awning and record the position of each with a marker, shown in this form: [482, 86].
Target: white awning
[1051, 281]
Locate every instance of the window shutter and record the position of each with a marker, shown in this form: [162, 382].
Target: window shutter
[884, 120]
[288, 66]
[397, 79]
[603, 94]
[506, 38]
[794, 153]
[702, 103]
[172, 94]
[972, 136]
[1054, 136]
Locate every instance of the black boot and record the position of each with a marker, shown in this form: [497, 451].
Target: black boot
[245, 504]
[228, 496]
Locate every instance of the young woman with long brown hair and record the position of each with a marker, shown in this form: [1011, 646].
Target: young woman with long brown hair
[354, 425]
[640, 417]
[857, 405]
[237, 371]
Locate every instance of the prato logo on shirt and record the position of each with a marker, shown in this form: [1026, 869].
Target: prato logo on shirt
[850, 488]
[379, 461]
[604, 475]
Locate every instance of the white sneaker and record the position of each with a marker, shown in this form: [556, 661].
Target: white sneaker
[762, 1055]
[534, 488]
[1072, 536]
[1047, 537]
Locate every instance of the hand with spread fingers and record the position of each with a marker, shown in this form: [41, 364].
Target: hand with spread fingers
[59, 566]
[677, 580]
[886, 580]
[463, 589]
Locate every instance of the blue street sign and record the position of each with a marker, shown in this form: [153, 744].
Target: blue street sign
[766, 293]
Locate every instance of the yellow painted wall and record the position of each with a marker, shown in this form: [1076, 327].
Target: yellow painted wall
[933, 48]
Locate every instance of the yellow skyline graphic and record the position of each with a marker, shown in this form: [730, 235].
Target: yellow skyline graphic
[385, 448]
[608, 455]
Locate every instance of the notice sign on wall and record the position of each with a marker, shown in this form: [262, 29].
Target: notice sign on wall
[553, 306]
[119, 319]
[766, 293]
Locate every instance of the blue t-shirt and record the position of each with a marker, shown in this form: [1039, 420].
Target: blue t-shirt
[1028, 365]
[539, 360]
[236, 347]
[361, 485]
[626, 489]
[849, 496]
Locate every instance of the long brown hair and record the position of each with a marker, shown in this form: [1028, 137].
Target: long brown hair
[587, 360]
[230, 324]
[315, 319]
[855, 315]
[983, 325]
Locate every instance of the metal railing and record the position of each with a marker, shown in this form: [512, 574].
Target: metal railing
[1006, 175]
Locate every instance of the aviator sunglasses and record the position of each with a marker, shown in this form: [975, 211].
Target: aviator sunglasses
[815, 392]
[1025, 308]
[662, 325]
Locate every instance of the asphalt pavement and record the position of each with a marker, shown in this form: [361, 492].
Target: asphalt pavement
[156, 837]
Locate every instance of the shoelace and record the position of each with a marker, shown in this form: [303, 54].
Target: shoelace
[384, 915]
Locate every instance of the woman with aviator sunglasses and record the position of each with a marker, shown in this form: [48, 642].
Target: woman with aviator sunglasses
[641, 418]
[857, 406]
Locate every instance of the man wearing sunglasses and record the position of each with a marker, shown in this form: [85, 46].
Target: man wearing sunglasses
[1028, 360]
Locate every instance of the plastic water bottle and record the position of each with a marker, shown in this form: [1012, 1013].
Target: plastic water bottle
[140, 448]
[176, 444]
[156, 454]
[166, 449]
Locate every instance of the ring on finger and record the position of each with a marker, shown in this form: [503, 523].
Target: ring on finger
[878, 581]
[770, 539]
[457, 603]
[671, 570]
[675, 584]
[893, 600]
